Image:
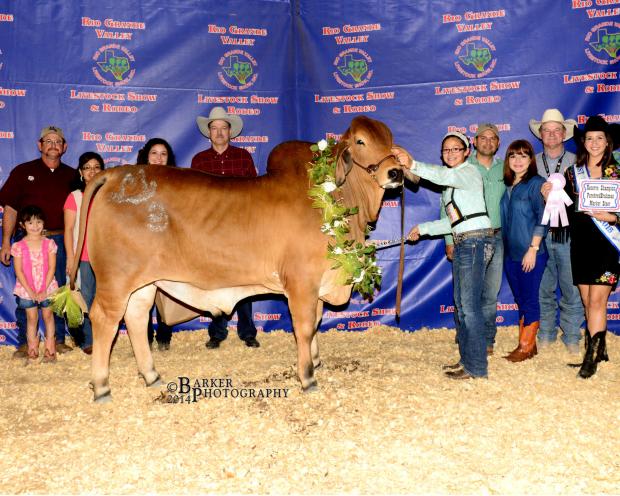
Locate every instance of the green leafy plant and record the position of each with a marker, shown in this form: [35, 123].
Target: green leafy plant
[357, 261]
[65, 305]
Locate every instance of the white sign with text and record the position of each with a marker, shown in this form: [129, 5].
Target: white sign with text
[599, 195]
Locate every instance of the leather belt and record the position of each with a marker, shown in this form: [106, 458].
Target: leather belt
[476, 233]
[52, 232]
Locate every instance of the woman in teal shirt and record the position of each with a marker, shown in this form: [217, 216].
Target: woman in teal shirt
[466, 219]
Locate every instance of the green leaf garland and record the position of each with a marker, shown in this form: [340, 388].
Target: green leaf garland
[357, 261]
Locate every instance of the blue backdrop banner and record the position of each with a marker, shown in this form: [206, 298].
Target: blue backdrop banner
[113, 77]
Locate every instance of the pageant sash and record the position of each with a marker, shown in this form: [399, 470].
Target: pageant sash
[611, 232]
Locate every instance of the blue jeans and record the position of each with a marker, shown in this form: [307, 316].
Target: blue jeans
[570, 306]
[525, 287]
[245, 326]
[25, 303]
[61, 277]
[470, 264]
[492, 285]
[87, 288]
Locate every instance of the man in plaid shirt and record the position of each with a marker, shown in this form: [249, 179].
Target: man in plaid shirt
[224, 159]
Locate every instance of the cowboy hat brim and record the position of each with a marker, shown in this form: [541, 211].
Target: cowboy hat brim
[613, 130]
[236, 124]
[569, 125]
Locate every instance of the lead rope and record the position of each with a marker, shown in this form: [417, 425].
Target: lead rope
[401, 262]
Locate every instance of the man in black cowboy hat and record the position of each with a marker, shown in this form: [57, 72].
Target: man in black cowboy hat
[224, 159]
[553, 130]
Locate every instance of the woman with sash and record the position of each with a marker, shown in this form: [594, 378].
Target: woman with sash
[595, 248]
[463, 215]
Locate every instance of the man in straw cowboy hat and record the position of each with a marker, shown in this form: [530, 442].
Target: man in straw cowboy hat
[224, 159]
[553, 130]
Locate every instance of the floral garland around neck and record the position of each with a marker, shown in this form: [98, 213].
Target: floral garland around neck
[357, 261]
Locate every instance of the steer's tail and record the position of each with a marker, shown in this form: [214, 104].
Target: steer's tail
[96, 183]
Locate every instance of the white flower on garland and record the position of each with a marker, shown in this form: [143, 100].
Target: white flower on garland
[350, 257]
[329, 186]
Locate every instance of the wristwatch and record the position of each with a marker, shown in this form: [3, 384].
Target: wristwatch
[536, 248]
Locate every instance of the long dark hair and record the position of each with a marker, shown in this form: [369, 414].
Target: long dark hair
[143, 154]
[519, 146]
[582, 153]
[84, 158]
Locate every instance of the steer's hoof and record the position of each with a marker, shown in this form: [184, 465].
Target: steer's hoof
[104, 398]
[310, 388]
[155, 383]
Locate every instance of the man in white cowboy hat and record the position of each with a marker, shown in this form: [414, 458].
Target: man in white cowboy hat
[554, 130]
[224, 159]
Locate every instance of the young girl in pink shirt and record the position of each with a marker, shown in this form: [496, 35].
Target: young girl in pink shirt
[34, 259]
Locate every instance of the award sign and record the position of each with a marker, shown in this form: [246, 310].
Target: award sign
[599, 195]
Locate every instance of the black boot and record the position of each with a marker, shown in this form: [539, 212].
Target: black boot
[586, 342]
[596, 350]
[601, 352]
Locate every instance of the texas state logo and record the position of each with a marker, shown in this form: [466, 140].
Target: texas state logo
[475, 57]
[603, 43]
[353, 68]
[114, 65]
[238, 70]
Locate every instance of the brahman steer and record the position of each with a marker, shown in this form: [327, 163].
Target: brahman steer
[210, 241]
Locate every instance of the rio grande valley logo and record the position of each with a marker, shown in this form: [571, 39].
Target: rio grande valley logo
[237, 70]
[603, 43]
[475, 57]
[353, 68]
[113, 65]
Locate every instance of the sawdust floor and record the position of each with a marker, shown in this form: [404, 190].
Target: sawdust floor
[384, 420]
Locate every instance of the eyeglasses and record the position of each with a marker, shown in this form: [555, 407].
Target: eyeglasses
[93, 168]
[452, 150]
[49, 142]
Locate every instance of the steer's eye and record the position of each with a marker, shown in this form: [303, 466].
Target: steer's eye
[360, 142]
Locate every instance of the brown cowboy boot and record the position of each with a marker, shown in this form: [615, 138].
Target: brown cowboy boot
[520, 336]
[527, 344]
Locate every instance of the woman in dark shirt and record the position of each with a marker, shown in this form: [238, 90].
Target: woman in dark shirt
[595, 238]
[158, 151]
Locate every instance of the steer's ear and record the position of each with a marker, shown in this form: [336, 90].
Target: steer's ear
[344, 161]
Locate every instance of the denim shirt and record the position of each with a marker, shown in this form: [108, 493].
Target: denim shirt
[466, 182]
[522, 211]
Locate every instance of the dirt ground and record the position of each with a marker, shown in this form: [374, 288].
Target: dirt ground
[383, 421]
